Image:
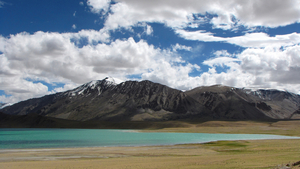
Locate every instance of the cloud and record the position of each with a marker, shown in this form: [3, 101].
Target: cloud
[20, 89]
[54, 57]
[76, 58]
[256, 67]
[92, 36]
[263, 40]
[267, 62]
[247, 40]
[149, 30]
[271, 61]
[220, 61]
[97, 6]
[269, 13]
[199, 36]
[73, 26]
[181, 47]
[179, 14]
[268, 67]
[1, 4]
[68, 86]
[129, 13]
[2, 43]
[168, 73]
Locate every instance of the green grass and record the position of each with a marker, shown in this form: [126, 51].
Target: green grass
[230, 144]
[227, 146]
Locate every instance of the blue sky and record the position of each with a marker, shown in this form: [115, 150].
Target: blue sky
[53, 46]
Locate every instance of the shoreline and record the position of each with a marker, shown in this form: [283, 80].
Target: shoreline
[128, 146]
[158, 145]
[220, 154]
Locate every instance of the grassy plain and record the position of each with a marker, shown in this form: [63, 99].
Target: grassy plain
[221, 154]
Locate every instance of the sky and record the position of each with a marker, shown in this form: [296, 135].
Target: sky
[52, 46]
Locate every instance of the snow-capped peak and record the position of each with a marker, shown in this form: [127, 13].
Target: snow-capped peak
[94, 85]
[110, 79]
[2, 105]
[113, 80]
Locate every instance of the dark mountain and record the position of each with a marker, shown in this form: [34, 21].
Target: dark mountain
[225, 102]
[233, 103]
[33, 120]
[104, 100]
[277, 104]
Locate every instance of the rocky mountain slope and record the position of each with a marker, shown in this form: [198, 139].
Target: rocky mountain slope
[104, 100]
[235, 103]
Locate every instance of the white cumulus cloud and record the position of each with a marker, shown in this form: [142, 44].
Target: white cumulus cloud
[181, 47]
[258, 67]
[55, 57]
[178, 13]
[247, 40]
[97, 6]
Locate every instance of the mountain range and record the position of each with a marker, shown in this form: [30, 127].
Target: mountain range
[105, 100]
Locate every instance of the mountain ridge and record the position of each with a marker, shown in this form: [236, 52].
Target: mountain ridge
[106, 100]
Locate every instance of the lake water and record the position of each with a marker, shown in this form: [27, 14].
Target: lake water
[57, 138]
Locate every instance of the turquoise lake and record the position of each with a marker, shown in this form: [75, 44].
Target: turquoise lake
[58, 138]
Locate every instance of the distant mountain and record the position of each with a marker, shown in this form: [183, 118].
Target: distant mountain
[235, 103]
[104, 100]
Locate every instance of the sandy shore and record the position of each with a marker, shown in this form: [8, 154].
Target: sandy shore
[223, 154]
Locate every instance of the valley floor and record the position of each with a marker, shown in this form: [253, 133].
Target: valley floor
[221, 154]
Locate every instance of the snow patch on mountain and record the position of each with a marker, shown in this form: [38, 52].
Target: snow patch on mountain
[2, 105]
[269, 94]
[93, 85]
